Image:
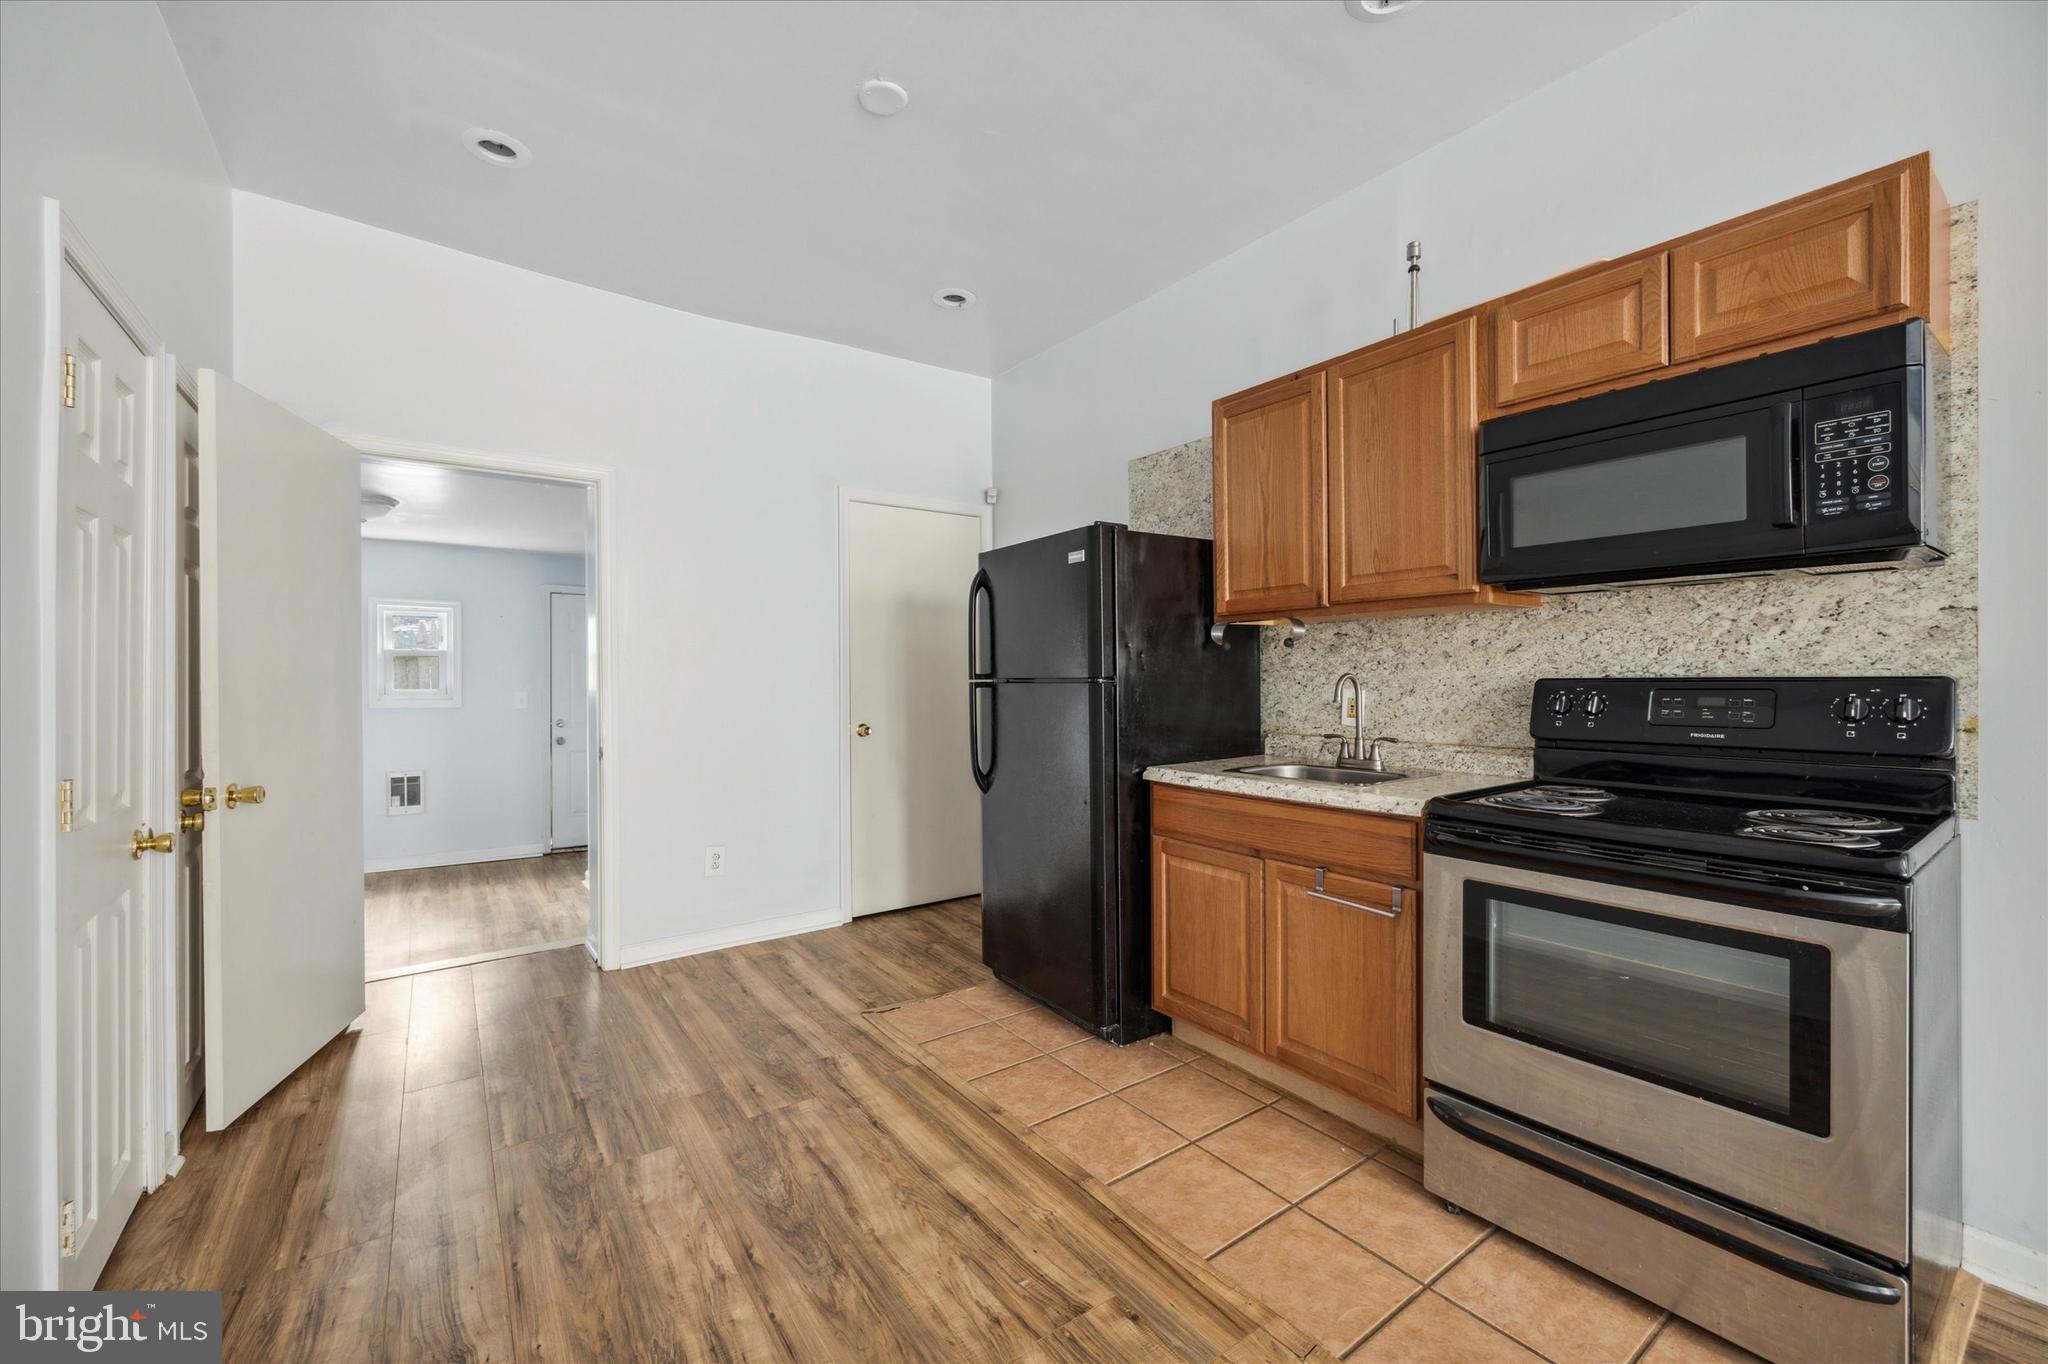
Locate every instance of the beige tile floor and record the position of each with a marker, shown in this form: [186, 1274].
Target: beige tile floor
[1320, 1220]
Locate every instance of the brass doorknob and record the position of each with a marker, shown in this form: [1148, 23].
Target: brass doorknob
[192, 822]
[142, 841]
[244, 795]
[862, 730]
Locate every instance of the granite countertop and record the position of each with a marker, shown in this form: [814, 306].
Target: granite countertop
[1403, 796]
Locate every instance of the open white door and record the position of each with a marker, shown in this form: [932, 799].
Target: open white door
[568, 720]
[281, 710]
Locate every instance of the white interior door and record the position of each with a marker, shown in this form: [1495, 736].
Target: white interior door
[281, 708]
[568, 720]
[188, 1022]
[915, 817]
[108, 732]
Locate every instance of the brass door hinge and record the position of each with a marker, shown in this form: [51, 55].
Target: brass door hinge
[64, 806]
[67, 1228]
[70, 379]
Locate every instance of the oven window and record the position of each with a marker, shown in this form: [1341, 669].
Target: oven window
[1737, 1018]
[1706, 484]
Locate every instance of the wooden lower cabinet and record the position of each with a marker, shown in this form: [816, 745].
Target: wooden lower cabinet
[1341, 984]
[1244, 947]
[1208, 939]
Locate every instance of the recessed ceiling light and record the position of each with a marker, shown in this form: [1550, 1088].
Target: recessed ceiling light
[954, 298]
[378, 504]
[883, 98]
[500, 149]
[1366, 11]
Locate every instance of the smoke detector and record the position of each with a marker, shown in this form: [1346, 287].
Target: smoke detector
[377, 505]
[883, 99]
[1370, 11]
[500, 149]
[954, 298]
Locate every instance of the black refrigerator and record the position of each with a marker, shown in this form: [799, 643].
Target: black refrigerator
[1089, 660]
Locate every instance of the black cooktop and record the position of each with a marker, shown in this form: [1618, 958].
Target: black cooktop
[1805, 832]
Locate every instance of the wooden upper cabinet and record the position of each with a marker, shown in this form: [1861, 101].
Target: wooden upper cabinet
[1269, 471]
[1341, 984]
[1846, 253]
[1208, 936]
[1591, 327]
[1403, 467]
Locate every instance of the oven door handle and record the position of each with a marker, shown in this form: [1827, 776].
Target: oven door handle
[1723, 1228]
[1685, 880]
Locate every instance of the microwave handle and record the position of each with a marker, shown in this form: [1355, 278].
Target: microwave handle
[1785, 468]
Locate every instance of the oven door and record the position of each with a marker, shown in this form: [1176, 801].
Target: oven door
[1708, 491]
[1758, 1053]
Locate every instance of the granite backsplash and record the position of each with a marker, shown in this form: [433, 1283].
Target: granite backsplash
[1453, 690]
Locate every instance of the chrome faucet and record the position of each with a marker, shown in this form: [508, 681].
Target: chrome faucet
[1357, 751]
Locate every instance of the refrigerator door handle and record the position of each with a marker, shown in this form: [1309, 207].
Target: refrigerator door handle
[981, 644]
[983, 777]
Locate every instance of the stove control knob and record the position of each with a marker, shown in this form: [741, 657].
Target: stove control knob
[1854, 709]
[1908, 710]
[1560, 704]
[1596, 704]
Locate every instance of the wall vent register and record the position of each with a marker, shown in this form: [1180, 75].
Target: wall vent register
[404, 793]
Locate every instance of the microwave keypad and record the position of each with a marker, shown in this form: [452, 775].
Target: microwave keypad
[1854, 469]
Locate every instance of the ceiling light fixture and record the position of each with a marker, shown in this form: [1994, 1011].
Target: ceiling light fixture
[883, 99]
[377, 505]
[500, 149]
[1370, 11]
[954, 298]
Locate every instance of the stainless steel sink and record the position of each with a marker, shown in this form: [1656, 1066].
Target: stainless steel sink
[1340, 776]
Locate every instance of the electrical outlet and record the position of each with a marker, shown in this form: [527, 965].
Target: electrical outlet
[1350, 709]
[714, 861]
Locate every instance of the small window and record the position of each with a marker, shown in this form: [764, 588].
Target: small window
[415, 653]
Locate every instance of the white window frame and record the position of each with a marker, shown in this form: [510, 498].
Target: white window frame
[380, 693]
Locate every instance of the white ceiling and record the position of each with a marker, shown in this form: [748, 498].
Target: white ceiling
[460, 507]
[1063, 160]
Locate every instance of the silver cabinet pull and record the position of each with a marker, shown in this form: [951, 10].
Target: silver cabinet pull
[1320, 894]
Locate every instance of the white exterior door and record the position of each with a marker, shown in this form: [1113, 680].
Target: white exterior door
[568, 720]
[281, 709]
[915, 816]
[108, 732]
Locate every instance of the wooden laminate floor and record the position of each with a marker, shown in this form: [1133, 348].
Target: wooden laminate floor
[441, 914]
[714, 1158]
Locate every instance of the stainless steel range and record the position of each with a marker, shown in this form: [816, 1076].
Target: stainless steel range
[1690, 1012]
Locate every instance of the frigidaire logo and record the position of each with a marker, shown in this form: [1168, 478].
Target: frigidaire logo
[1700, 734]
[165, 1328]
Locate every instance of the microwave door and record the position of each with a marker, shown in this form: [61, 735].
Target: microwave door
[1707, 492]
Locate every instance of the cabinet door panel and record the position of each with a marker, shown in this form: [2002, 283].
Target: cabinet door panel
[1341, 985]
[1403, 461]
[1268, 447]
[1586, 330]
[1830, 260]
[1208, 939]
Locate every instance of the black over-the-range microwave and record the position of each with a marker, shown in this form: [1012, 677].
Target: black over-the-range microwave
[1819, 457]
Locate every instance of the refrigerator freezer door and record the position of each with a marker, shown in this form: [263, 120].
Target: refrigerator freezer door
[1049, 860]
[1042, 608]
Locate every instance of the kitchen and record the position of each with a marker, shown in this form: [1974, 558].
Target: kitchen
[1499, 709]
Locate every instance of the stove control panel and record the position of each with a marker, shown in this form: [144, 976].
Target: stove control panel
[1903, 716]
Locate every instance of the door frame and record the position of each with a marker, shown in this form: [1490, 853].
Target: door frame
[600, 568]
[65, 247]
[985, 514]
[548, 593]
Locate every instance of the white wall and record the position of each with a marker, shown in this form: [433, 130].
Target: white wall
[728, 443]
[484, 763]
[1711, 115]
[95, 112]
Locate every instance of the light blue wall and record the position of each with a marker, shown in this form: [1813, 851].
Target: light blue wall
[486, 761]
